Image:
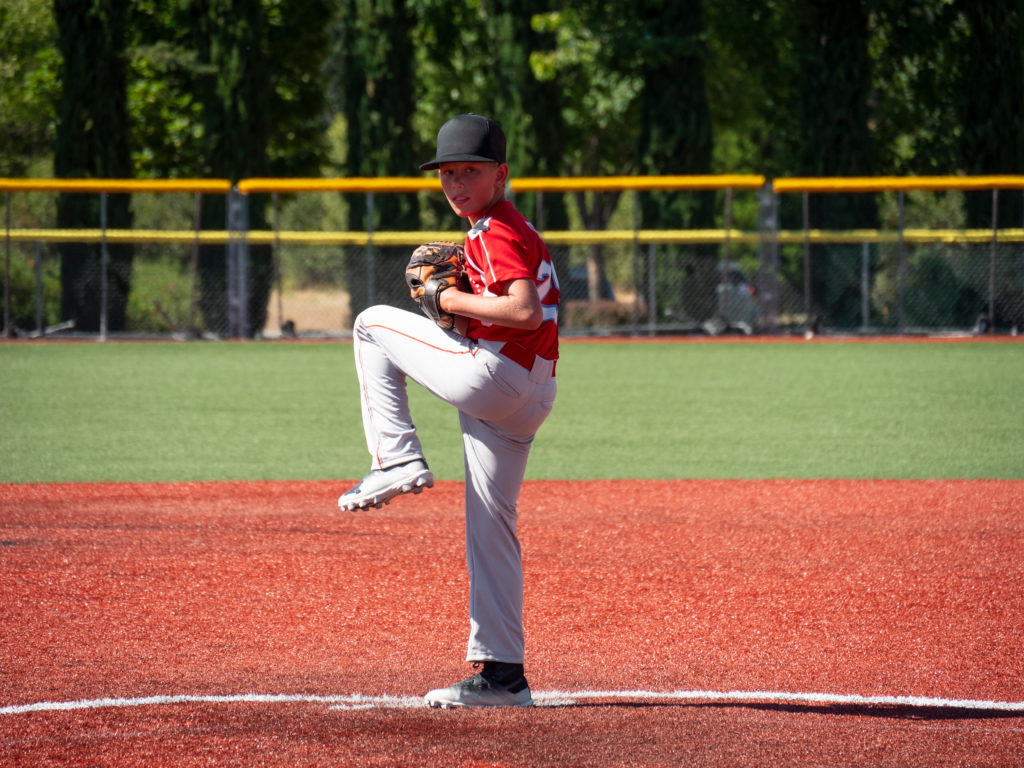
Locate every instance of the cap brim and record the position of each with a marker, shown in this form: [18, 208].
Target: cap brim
[434, 164]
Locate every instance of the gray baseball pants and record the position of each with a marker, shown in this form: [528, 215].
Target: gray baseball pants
[501, 406]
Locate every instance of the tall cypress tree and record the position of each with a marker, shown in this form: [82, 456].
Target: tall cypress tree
[990, 102]
[93, 142]
[675, 120]
[835, 138]
[228, 38]
[375, 90]
[254, 68]
[529, 109]
[675, 138]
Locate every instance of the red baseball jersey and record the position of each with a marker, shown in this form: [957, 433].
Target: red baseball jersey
[502, 247]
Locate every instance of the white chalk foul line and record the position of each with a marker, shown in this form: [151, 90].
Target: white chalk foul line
[542, 698]
[342, 701]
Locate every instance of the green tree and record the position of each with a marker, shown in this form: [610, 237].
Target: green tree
[670, 40]
[29, 86]
[475, 57]
[989, 105]
[913, 48]
[634, 100]
[372, 85]
[835, 78]
[990, 101]
[481, 63]
[263, 112]
[530, 109]
[92, 141]
[753, 86]
[298, 44]
[835, 138]
[674, 114]
[164, 106]
[601, 83]
[228, 37]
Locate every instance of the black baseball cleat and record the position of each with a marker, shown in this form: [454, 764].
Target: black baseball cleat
[496, 685]
[382, 485]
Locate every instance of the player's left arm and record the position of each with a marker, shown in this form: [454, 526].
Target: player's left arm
[517, 306]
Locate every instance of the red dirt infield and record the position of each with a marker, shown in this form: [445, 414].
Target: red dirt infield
[739, 623]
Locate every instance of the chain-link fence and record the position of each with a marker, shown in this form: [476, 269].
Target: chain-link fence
[192, 281]
[917, 288]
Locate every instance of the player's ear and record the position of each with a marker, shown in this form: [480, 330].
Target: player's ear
[502, 174]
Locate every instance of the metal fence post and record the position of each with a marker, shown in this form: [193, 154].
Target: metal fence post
[193, 300]
[636, 258]
[8, 331]
[40, 323]
[807, 262]
[768, 256]
[229, 276]
[900, 268]
[238, 264]
[277, 263]
[865, 286]
[652, 290]
[231, 268]
[992, 263]
[103, 266]
[371, 278]
[723, 295]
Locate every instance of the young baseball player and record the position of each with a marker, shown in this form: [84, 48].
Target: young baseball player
[488, 346]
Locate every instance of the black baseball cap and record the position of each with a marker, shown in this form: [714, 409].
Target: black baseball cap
[468, 139]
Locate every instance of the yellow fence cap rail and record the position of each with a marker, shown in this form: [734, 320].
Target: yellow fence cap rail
[822, 185]
[156, 236]
[209, 186]
[524, 184]
[352, 184]
[639, 183]
[895, 183]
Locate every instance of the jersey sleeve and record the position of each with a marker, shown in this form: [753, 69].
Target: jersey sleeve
[497, 255]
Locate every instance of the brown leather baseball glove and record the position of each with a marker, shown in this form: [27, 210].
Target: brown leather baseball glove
[433, 268]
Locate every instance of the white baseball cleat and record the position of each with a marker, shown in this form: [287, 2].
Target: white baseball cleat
[497, 685]
[382, 485]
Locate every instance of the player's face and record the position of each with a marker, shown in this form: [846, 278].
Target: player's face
[472, 188]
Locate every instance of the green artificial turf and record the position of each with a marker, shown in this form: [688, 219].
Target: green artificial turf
[248, 411]
[789, 410]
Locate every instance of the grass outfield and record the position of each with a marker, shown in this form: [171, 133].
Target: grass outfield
[257, 411]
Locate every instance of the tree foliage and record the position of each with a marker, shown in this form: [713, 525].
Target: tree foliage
[634, 100]
[474, 56]
[372, 85]
[936, 82]
[371, 73]
[990, 99]
[753, 86]
[835, 138]
[234, 88]
[29, 83]
[254, 66]
[92, 141]
[913, 48]
[674, 123]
